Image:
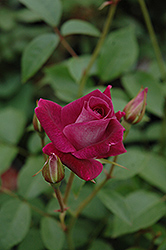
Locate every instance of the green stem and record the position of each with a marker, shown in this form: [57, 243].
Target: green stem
[85, 203]
[65, 43]
[153, 39]
[96, 190]
[69, 235]
[43, 144]
[68, 187]
[97, 48]
[163, 132]
[127, 127]
[59, 198]
[14, 195]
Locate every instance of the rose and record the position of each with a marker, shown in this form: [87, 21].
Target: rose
[82, 131]
[135, 109]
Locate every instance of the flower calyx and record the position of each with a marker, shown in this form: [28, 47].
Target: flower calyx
[36, 124]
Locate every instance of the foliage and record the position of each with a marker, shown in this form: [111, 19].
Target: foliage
[61, 50]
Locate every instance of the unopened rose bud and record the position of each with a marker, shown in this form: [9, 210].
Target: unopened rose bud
[135, 109]
[36, 124]
[53, 171]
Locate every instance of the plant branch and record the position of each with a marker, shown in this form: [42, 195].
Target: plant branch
[59, 198]
[85, 203]
[96, 190]
[65, 43]
[97, 48]
[43, 144]
[68, 187]
[153, 39]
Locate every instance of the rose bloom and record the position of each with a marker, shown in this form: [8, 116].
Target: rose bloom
[82, 131]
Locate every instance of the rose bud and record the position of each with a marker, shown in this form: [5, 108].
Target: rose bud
[36, 124]
[135, 109]
[53, 170]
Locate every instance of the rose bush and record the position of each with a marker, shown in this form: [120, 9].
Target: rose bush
[82, 131]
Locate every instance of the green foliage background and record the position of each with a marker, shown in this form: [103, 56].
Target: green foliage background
[129, 212]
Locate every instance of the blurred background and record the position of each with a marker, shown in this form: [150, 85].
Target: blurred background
[53, 81]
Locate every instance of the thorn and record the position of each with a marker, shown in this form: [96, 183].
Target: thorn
[93, 181]
[60, 211]
[108, 3]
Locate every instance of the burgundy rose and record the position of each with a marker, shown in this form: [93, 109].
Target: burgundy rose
[82, 131]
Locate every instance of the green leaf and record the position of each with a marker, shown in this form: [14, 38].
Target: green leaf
[9, 85]
[50, 11]
[162, 246]
[82, 232]
[28, 186]
[61, 81]
[7, 155]
[156, 228]
[34, 143]
[146, 209]
[91, 212]
[116, 204]
[36, 54]
[12, 125]
[7, 21]
[153, 131]
[15, 219]
[133, 82]
[119, 104]
[79, 27]
[77, 185]
[24, 96]
[27, 16]
[100, 244]
[135, 248]
[118, 54]
[78, 65]
[155, 171]
[52, 235]
[32, 241]
[134, 160]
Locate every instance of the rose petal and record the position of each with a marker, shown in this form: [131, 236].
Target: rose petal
[86, 116]
[96, 103]
[107, 91]
[82, 135]
[71, 111]
[115, 149]
[112, 136]
[49, 114]
[119, 115]
[85, 169]
[92, 151]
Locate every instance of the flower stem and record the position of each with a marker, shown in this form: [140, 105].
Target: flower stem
[96, 190]
[65, 43]
[153, 39]
[59, 198]
[43, 144]
[127, 127]
[68, 187]
[97, 48]
[163, 132]
[85, 203]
